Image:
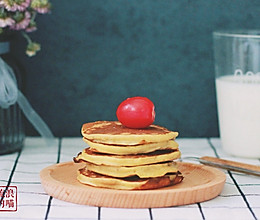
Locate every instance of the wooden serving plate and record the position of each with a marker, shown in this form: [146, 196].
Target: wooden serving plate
[200, 183]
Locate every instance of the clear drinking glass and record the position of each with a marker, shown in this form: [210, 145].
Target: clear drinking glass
[237, 78]
[11, 122]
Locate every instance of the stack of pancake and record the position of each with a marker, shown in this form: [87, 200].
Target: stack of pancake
[123, 158]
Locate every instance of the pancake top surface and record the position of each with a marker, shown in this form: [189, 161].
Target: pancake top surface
[114, 131]
[116, 128]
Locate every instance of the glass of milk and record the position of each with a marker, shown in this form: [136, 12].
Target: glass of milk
[237, 76]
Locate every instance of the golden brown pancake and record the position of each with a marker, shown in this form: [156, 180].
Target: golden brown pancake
[124, 158]
[132, 149]
[144, 171]
[128, 160]
[134, 183]
[113, 132]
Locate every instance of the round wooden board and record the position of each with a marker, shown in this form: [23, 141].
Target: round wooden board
[200, 183]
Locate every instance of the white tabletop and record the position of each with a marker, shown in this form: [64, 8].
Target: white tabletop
[240, 198]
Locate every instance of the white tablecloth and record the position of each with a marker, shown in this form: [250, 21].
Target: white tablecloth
[240, 198]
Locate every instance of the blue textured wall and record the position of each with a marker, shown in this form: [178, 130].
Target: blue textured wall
[96, 53]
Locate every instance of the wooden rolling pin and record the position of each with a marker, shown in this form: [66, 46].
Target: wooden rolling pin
[231, 165]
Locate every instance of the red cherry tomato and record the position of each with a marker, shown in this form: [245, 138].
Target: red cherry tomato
[136, 112]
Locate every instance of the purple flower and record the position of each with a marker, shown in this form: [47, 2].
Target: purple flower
[31, 27]
[22, 21]
[12, 5]
[20, 15]
[41, 6]
[5, 21]
[42, 10]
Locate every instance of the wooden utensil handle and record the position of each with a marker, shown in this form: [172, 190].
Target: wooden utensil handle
[231, 165]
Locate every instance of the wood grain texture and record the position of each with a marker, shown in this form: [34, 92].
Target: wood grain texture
[200, 183]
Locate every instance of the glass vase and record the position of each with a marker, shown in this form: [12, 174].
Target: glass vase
[11, 121]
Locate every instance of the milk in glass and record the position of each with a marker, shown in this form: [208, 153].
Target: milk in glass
[238, 100]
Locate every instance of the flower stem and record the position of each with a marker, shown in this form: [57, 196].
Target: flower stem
[27, 37]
